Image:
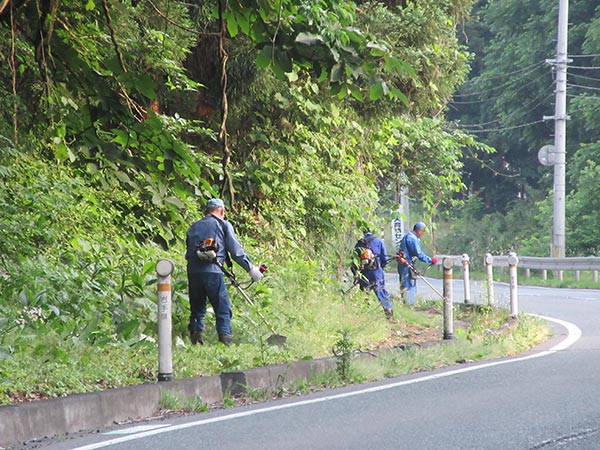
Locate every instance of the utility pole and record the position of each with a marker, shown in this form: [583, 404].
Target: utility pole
[560, 127]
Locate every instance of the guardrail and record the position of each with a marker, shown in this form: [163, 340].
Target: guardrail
[559, 265]
[512, 261]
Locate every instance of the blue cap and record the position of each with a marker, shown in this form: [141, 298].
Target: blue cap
[215, 203]
[419, 226]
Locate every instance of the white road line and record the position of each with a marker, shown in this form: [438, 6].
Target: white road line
[138, 429]
[573, 335]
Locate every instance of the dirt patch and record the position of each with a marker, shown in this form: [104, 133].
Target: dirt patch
[407, 334]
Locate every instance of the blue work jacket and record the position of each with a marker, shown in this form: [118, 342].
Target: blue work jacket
[411, 246]
[211, 227]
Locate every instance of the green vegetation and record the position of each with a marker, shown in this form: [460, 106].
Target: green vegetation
[120, 118]
[44, 356]
[486, 333]
[468, 346]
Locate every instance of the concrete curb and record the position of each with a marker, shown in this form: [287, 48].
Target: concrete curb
[26, 422]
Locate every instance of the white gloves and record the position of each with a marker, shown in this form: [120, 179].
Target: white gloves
[255, 273]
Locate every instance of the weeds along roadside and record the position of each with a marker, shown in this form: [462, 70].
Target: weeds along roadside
[484, 333]
[76, 339]
[72, 332]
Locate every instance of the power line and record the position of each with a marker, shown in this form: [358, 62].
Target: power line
[519, 111]
[501, 86]
[504, 75]
[489, 99]
[584, 77]
[487, 130]
[584, 56]
[583, 97]
[584, 67]
[583, 87]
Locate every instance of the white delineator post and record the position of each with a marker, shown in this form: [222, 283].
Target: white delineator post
[514, 295]
[447, 264]
[164, 269]
[489, 268]
[466, 282]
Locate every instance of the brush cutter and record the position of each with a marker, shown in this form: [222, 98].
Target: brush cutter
[422, 277]
[359, 276]
[275, 338]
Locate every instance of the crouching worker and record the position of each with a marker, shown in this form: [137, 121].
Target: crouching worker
[209, 240]
[410, 252]
[373, 258]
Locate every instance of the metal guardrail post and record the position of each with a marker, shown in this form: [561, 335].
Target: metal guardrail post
[164, 269]
[513, 260]
[448, 318]
[489, 268]
[466, 283]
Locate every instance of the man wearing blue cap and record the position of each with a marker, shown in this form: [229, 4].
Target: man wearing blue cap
[410, 251]
[208, 240]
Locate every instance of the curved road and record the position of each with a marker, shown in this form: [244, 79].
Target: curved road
[546, 399]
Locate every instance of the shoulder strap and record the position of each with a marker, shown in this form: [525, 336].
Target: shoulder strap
[221, 224]
[225, 234]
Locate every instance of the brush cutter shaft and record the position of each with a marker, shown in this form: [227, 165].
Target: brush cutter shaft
[420, 275]
[249, 300]
[235, 282]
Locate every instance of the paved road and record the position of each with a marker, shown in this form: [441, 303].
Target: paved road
[547, 399]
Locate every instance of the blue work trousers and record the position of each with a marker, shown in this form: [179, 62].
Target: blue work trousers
[377, 283]
[204, 287]
[408, 284]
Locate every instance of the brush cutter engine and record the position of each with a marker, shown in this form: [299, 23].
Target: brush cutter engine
[207, 250]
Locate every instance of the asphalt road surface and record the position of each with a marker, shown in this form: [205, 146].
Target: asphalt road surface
[548, 398]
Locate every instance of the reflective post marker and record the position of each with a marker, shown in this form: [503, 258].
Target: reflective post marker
[466, 282]
[489, 268]
[164, 269]
[447, 264]
[514, 295]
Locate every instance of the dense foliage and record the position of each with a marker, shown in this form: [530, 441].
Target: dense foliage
[121, 117]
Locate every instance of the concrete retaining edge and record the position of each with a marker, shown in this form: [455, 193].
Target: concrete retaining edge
[25, 422]
[41, 419]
